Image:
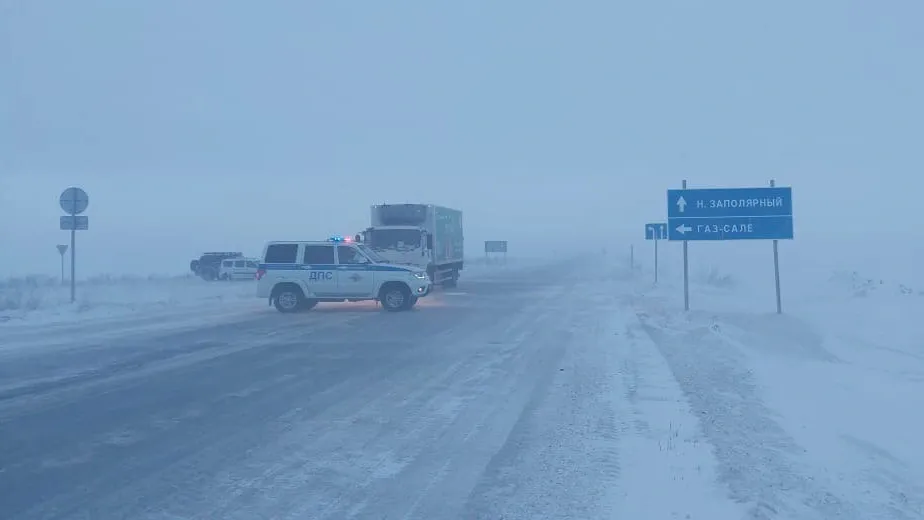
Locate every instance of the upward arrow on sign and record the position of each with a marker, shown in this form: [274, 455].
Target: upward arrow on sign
[682, 204]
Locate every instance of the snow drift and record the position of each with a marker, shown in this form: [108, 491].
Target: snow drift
[812, 413]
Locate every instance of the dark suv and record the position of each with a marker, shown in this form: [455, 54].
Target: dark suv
[208, 264]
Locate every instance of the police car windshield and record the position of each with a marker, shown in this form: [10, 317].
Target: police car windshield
[375, 257]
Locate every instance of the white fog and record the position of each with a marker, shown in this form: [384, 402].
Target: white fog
[213, 125]
[207, 125]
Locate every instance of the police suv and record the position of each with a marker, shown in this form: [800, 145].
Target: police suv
[297, 275]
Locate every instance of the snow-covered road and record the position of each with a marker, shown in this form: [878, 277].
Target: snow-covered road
[554, 390]
[497, 400]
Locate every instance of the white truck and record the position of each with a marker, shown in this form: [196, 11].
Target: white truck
[421, 235]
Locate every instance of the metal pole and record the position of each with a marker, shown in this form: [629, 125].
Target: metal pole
[686, 271]
[73, 261]
[776, 267]
[63, 280]
[656, 256]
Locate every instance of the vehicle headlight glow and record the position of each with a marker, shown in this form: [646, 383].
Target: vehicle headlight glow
[420, 276]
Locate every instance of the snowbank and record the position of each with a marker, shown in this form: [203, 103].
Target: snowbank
[42, 300]
[814, 413]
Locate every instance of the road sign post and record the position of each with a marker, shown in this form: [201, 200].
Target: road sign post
[74, 201]
[721, 214]
[62, 248]
[495, 246]
[686, 262]
[776, 266]
[657, 232]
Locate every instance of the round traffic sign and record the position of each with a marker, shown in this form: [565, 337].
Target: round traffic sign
[74, 201]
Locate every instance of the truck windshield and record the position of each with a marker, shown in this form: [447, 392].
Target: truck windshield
[375, 257]
[394, 239]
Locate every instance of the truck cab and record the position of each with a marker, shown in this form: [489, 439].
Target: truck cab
[407, 245]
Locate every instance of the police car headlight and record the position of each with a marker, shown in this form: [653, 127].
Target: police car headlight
[420, 276]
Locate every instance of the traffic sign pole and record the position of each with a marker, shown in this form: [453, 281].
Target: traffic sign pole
[656, 231]
[73, 201]
[62, 248]
[776, 267]
[73, 264]
[656, 258]
[686, 267]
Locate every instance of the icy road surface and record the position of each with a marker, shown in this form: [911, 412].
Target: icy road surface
[501, 399]
[548, 391]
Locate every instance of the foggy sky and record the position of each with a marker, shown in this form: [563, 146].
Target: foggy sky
[223, 124]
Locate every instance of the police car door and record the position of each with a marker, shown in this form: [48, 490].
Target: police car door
[353, 274]
[318, 267]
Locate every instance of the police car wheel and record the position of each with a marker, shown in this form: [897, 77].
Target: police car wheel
[396, 299]
[288, 300]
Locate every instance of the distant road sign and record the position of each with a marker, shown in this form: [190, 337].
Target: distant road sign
[74, 201]
[75, 223]
[656, 231]
[62, 248]
[495, 246]
[730, 214]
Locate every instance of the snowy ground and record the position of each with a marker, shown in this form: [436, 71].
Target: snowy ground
[532, 391]
[813, 414]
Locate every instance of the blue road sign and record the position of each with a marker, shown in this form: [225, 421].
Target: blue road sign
[74, 201]
[75, 223]
[729, 202]
[656, 231]
[730, 214]
[731, 228]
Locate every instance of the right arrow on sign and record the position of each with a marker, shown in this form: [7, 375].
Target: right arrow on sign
[683, 228]
[681, 204]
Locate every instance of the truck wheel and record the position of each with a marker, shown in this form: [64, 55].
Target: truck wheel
[396, 298]
[209, 275]
[288, 299]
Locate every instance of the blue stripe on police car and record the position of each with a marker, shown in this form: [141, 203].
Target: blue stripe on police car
[328, 267]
